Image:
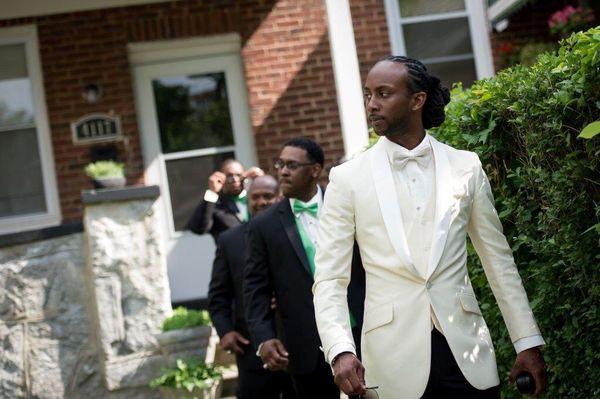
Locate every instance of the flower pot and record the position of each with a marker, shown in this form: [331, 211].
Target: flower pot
[211, 392]
[194, 341]
[109, 182]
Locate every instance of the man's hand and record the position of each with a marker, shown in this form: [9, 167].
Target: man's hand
[531, 361]
[274, 355]
[216, 181]
[233, 341]
[349, 374]
[253, 172]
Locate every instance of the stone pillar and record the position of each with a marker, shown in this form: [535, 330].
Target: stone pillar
[126, 276]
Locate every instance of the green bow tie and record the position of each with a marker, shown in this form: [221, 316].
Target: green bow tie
[300, 207]
[242, 199]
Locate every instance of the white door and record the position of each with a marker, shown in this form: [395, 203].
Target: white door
[193, 115]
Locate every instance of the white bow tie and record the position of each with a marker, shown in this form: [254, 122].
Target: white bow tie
[421, 156]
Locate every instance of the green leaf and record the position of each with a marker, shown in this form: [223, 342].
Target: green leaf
[590, 130]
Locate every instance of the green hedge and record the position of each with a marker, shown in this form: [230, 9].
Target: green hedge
[524, 124]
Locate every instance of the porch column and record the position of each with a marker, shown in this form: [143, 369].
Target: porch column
[347, 76]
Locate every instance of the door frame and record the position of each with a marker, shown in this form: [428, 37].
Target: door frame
[218, 54]
[179, 57]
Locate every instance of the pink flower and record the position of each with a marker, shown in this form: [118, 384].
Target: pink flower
[569, 19]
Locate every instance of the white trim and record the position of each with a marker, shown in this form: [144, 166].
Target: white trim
[10, 128]
[32, 8]
[502, 8]
[392, 15]
[478, 29]
[198, 153]
[480, 39]
[347, 77]
[145, 53]
[435, 17]
[447, 58]
[27, 34]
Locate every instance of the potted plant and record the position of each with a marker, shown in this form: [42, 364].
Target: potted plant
[106, 174]
[186, 330]
[190, 380]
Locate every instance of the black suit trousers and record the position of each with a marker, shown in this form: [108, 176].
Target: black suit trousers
[446, 381]
[264, 384]
[317, 384]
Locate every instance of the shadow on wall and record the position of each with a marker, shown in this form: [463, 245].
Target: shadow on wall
[308, 107]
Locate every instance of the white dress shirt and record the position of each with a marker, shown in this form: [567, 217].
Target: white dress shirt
[309, 222]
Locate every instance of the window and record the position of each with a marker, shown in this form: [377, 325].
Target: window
[28, 198]
[449, 36]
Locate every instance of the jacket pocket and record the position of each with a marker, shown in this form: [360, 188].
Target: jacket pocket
[469, 303]
[377, 317]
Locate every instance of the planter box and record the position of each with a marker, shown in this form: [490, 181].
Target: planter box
[194, 341]
[214, 392]
[109, 182]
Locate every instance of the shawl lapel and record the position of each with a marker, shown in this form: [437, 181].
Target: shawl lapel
[287, 218]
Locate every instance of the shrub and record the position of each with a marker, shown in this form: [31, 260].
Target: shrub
[104, 169]
[188, 375]
[186, 318]
[530, 51]
[524, 123]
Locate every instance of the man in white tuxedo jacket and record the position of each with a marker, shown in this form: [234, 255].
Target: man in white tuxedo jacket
[410, 201]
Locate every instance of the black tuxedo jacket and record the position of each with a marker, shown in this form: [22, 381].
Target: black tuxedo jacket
[214, 217]
[225, 302]
[277, 263]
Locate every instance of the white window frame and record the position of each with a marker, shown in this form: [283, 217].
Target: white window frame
[27, 35]
[475, 11]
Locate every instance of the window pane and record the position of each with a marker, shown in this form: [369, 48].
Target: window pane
[187, 183]
[14, 62]
[437, 38]
[193, 112]
[411, 8]
[21, 183]
[16, 102]
[454, 71]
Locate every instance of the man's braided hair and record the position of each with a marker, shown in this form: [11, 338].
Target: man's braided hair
[420, 80]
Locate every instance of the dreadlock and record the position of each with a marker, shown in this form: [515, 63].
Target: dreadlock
[420, 80]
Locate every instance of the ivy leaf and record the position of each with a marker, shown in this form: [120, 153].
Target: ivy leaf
[590, 130]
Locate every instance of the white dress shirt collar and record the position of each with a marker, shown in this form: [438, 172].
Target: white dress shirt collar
[317, 198]
[391, 147]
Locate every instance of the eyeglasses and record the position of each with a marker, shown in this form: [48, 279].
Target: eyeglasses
[232, 178]
[370, 394]
[291, 165]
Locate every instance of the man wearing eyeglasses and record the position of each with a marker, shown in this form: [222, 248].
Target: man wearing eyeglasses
[224, 204]
[282, 242]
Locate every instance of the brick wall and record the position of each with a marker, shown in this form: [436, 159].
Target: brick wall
[290, 80]
[286, 60]
[370, 33]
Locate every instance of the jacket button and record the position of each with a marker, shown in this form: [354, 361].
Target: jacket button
[428, 285]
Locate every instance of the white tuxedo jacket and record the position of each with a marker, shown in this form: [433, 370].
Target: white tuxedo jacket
[361, 202]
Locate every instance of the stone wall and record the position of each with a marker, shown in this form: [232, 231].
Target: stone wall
[79, 313]
[45, 345]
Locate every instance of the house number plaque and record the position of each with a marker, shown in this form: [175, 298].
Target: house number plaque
[94, 128]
